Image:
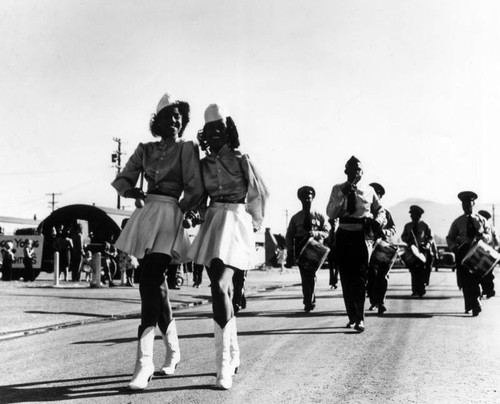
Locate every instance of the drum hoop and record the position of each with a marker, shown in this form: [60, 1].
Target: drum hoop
[323, 258]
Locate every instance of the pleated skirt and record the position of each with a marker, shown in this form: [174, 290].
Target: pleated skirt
[156, 228]
[227, 234]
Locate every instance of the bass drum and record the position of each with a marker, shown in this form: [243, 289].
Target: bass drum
[384, 254]
[412, 257]
[481, 259]
[313, 255]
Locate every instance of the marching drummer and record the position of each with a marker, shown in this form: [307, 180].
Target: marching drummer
[378, 274]
[303, 225]
[418, 233]
[464, 232]
[360, 214]
[488, 281]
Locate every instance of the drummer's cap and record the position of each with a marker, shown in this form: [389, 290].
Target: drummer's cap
[306, 189]
[485, 214]
[416, 209]
[165, 101]
[379, 189]
[352, 162]
[215, 112]
[467, 196]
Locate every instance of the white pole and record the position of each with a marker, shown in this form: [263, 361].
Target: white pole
[56, 268]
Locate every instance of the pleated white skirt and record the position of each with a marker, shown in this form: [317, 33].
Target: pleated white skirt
[227, 234]
[156, 228]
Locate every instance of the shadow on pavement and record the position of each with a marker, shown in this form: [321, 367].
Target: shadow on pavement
[85, 389]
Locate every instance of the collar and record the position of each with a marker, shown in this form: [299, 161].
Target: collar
[163, 144]
[224, 151]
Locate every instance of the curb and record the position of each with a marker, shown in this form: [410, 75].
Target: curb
[113, 317]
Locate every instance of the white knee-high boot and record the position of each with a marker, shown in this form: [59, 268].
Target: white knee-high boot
[234, 348]
[225, 370]
[144, 367]
[173, 355]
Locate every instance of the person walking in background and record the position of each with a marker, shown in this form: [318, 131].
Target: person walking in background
[303, 225]
[360, 215]
[154, 232]
[63, 245]
[28, 252]
[418, 233]
[378, 273]
[197, 274]
[108, 261]
[281, 255]
[7, 260]
[333, 268]
[464, 232]
[127, 263]
[488, 281]
[225, 242]
[77, 253]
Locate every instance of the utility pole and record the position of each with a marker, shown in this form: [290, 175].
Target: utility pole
[116, 158]
[493, 214]
[286, 220]
[53, 202]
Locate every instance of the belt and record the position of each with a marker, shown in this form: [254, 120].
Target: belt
[352, 220]
[157, 192]
[228, 201]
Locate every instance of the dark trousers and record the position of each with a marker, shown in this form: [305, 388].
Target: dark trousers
[308, 278]
[377, 284]
[418, 279]
[197, 274]
[470, 288]
[488, 284]
[29, 273]
[352, 259]
[76, 262]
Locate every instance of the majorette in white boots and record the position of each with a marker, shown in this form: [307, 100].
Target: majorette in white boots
[225, 344]
[173, 355]
[144, 367]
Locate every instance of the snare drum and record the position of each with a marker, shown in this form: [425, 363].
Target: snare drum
[313, 255]
[384, 254]
[481, 259]
[412, 257]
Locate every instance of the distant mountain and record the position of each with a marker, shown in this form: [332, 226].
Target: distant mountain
[438, 216]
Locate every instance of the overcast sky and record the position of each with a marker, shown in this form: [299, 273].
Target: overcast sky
[412, 88]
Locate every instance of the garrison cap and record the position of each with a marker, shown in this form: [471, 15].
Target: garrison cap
[416, 209]
[379, 189]
[485, 214]
[306, 189]
[352, 161]
[467, 196]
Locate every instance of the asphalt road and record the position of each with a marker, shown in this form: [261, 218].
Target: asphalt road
[421, 351]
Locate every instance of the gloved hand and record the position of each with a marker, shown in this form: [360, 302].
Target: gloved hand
[134, 193]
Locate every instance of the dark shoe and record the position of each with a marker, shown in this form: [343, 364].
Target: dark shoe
[476, 311]
[381, 309]
[111, 284]
[414, 294]
[360, 326]
[349, 325]
[309, 307]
